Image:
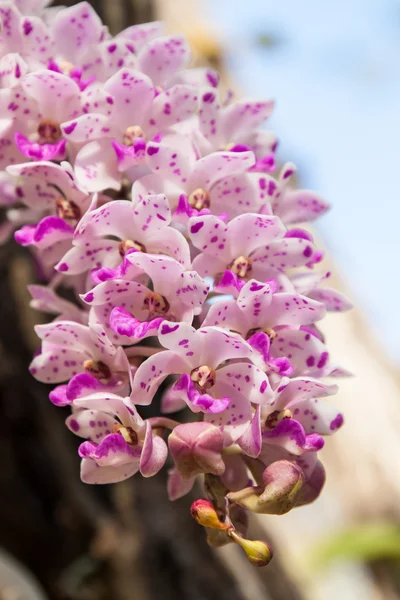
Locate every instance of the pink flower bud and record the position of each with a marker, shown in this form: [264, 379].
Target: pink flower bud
[196, 448]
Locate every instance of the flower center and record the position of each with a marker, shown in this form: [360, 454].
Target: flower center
[271, 333]
[49, 132]
[199, 199]
[204, 376]
[66, 67]
[98, 369]
[241, 266]
[276, 417]
[131, 134]
[126, 245]
[156, 303]
[67, 210]
[130, 436]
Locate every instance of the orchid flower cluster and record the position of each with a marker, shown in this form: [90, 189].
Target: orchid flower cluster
[152, 201]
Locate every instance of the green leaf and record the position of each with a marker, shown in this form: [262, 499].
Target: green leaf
[370, 541]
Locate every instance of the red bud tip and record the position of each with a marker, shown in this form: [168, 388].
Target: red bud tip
[205, 514]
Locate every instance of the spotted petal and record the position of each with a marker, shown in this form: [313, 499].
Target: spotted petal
[162, 57]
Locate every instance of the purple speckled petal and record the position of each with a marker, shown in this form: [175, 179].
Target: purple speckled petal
[77, 28]
[219, 345]
[152, 373]
[175, 164]
[12, 69]
[132, 93]
[293, 309]
[56, 94]
[227, 314]
[87, 127]
[333, 300]
[307, 354]
[209, 234]
[301, 206]
[89, 255]
[96, 167]
[247, 379]
[142, 33]
[279, 255]
[183, 339]
[163, 57]
[218, 165]
[91, 424]
[240, 117]
[209, 117]
[249, 232]
[172, 106]
[58, 365]
[236, 418]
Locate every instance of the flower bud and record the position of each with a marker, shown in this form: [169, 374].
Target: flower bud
[259, 553]
[205, 514]
[283, 482]
[196, 448]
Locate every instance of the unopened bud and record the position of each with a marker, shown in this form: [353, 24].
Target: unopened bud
[259, 553]
[205, 514]
[283, 482]
[196, 448]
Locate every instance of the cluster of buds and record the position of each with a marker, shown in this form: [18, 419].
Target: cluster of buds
[155, 200]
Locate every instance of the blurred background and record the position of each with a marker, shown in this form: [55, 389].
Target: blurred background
[334, 70]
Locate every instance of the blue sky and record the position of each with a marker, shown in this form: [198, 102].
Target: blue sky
[335, 73]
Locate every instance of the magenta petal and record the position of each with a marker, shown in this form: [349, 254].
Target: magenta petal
[122, 322]
[59, 397]
[137, 150]
[291, 435]
[40, 151]
[55, 227]
[25, 235]
[83, 384]
[229, 283]
[112, 450]
[261, 342]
